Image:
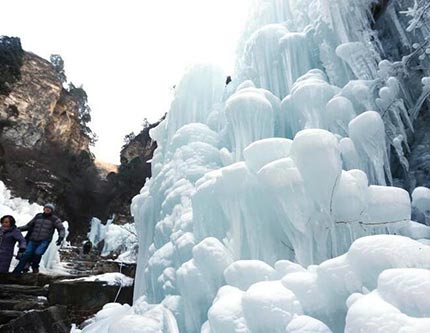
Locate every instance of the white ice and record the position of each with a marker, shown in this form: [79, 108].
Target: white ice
[267, 209]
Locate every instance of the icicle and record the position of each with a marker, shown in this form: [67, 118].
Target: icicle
[359, 58]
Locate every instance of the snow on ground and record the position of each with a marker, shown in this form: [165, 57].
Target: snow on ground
[110, 279]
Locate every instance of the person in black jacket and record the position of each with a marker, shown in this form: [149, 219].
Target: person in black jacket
[41, 229]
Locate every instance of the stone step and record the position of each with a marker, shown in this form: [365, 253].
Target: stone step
[24, 303]
[8, 304]
[54, 319]
[8, 315]
[28, 279]
[11, 291]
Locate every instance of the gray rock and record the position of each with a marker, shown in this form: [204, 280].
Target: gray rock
[87, 296]
[54, 319]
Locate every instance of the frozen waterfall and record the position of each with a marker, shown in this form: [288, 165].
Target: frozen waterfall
[268, 210]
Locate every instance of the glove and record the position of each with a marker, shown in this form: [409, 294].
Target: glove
[59, 241]
[20, 254]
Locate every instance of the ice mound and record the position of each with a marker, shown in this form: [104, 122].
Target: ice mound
[398, 304]
[381, 283]
[142, 317]
[244, 273]
[261, 152]
[306, 324]
[269, 304]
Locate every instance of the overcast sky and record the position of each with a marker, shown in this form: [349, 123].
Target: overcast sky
[127, 54]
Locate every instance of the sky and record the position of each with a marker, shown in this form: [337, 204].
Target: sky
[127, 54]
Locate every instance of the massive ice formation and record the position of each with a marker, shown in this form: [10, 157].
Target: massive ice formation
[268, 209]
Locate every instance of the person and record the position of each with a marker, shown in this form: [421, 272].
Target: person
[9, 236]
[41, 229]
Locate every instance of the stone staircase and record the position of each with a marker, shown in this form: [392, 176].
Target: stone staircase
[24, 305]
[48, 304]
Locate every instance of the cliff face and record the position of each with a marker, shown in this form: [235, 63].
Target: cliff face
[39, 112]
[44, 155]
[135, 168]
[44, 152]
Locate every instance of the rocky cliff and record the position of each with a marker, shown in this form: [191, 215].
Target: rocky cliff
[39, 112]
[44, 149]
[135, 168]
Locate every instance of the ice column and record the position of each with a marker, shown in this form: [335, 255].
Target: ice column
[200, 88]
[250, 117]
[296, 56]
[339, 112]
[264, 60]
[368, 134]
[316, 153]
[359, 58]
[304, 108]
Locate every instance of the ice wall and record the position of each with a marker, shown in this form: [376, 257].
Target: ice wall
[266, 196]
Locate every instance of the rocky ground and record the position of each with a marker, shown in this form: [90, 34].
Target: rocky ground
[41, 303]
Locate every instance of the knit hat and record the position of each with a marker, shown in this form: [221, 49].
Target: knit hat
[51, 206]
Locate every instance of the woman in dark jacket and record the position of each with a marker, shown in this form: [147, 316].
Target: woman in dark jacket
[9, 235]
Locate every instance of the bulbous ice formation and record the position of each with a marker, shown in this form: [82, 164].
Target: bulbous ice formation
[269, 304]
[304, 107]
[339, 112]
[368, 134]
[262, 152]
[306, 324]
[421, 204]
[250, 118]
[316, 153]
[350, 158]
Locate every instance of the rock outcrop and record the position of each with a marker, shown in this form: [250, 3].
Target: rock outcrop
[44, 147]
[134, 169]
[38, 112]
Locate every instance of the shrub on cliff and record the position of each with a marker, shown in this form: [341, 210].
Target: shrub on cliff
[11, 54]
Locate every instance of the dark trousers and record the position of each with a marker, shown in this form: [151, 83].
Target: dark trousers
[33, 253]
